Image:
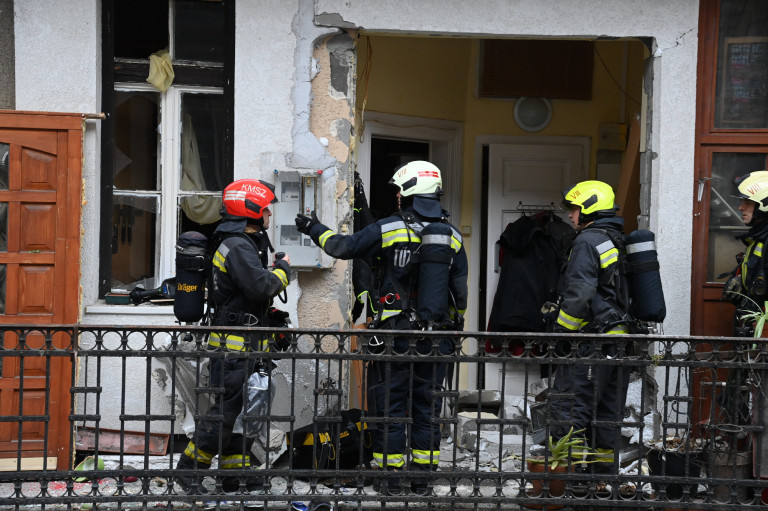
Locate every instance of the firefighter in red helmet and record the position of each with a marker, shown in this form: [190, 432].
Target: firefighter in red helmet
[243, 288]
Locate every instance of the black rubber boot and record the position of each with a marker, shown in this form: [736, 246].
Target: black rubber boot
[420, 485]
[392, 486]
[192, 485]
[250, 484]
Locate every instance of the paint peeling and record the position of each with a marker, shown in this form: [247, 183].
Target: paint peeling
[333, 19]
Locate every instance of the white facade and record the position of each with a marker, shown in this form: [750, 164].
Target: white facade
[57, 68]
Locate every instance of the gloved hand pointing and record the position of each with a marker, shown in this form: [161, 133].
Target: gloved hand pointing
[305, 223]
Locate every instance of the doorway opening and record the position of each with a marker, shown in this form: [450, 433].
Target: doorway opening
[386, 156]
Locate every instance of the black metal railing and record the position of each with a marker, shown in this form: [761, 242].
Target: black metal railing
[101, 415]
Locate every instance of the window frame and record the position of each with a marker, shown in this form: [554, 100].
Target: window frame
[121, 74]
[709, 314]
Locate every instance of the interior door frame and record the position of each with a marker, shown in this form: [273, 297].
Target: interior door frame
[444, 138]
[479, 201]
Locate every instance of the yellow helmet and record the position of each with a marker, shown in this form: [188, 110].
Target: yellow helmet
[590, 196]
[754, 186]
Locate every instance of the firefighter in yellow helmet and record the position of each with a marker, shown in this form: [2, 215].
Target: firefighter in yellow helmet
[593, 299]
[748, 288]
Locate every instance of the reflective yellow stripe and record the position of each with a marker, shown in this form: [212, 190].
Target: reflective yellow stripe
[198, 454]
[393, 460]
[235, 461]
[568, 322]
[324, 237]
[619, 330]
[758, 249]
[218, 261]
[455, 244]
[388, 313]
[399, 236]
[234, 342]
[608, 258]
[281, 275]
[321, 437]
[425, 457]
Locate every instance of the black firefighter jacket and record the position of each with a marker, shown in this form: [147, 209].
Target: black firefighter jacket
[589, 283]
[243, 287]
[393, 241]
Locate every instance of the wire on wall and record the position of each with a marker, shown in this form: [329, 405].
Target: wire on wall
[610, 75]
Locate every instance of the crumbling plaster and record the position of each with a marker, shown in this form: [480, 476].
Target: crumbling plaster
[331, 118]
[672, 26]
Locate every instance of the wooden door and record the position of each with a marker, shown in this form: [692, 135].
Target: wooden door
[40, 180]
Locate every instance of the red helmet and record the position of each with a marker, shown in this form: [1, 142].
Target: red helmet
[247, 198]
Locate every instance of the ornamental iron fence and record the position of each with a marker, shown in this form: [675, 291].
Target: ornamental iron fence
[100, 416]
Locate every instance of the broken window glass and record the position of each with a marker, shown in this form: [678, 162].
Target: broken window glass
[137, 141]
[5, 153]
[192, 43]
[141, 28]
[134, 241]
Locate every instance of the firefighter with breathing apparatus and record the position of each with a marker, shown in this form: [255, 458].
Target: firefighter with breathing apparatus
[243, 286]
[422, 285]
[593, 299]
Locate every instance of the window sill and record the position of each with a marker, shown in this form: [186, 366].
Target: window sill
[135, 310]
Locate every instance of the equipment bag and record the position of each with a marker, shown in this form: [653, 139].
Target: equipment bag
[191, 268]
[435, 256]
[644, 278]
[321, 444]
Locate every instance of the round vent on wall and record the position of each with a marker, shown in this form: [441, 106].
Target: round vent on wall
[532, 114]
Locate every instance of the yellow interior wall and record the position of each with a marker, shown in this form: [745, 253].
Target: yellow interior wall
[436, 78]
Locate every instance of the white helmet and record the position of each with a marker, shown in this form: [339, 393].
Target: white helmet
[754, 186]
[418, 178]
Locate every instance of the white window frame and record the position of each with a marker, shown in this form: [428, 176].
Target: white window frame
[169, 171]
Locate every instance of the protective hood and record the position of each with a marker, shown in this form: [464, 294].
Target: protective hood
[755, 232]
[612, 222]
[428, 207]
[231, 224]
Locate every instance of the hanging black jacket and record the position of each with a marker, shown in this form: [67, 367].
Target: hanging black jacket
[531, 254]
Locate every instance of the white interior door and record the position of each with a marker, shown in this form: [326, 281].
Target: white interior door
[521, 176]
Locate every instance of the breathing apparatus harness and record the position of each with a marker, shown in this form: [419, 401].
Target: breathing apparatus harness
[428, 283]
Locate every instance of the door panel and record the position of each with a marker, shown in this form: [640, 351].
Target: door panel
[522, 177]
[39, 276]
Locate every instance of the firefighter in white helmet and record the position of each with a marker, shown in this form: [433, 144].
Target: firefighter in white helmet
[422, 285]
[748, 286]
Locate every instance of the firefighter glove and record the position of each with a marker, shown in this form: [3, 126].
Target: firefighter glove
[305, 223]
[732, 290]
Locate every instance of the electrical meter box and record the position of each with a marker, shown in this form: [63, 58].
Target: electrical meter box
[296, 193]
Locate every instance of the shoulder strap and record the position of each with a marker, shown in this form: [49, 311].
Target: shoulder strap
[621, 284]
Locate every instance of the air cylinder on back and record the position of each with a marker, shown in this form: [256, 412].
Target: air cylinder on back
[435, 255]
[644, 277]
[191, 266]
